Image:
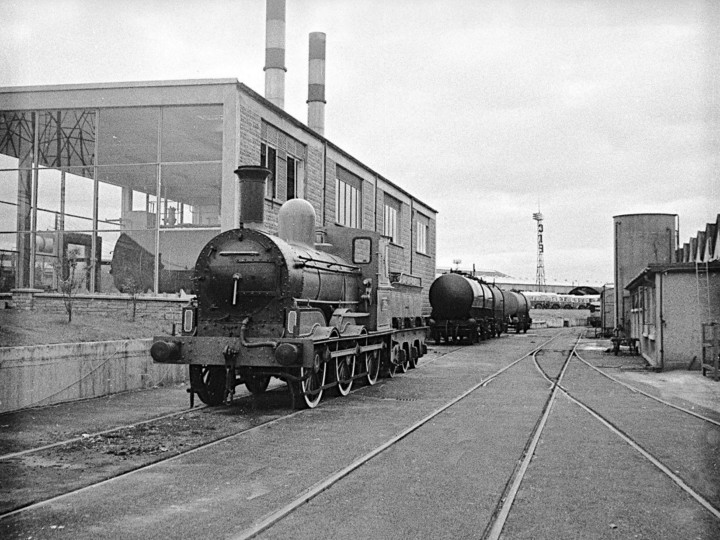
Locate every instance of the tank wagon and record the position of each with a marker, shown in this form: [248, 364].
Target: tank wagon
[319, 317]
[466, 308]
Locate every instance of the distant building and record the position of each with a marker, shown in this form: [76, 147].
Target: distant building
[509, 282]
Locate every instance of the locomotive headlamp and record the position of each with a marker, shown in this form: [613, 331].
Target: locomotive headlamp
[287, 354]
[188, 319]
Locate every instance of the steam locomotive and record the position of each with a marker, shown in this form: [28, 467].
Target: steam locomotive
[319, 316]
[467, 309]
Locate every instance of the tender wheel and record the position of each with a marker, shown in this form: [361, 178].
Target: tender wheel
[308, 392]
[414, 356]
[208, 382]
[390, 366]
[257, 384]
[372, 366]
[344, 373]
[403, 361]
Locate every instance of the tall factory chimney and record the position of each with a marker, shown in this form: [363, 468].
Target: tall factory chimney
[316, 83]
[275, 52]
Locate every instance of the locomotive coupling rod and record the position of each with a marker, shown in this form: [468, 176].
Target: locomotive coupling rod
[253, 344]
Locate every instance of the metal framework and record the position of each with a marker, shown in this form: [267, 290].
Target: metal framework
[540, 272]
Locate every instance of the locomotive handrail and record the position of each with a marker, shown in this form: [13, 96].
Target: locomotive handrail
[238, 253]
[253, 344]
[304, 261]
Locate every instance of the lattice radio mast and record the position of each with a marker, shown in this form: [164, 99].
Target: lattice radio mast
[540, 273]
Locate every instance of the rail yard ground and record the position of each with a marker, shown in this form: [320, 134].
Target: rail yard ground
[454, 449]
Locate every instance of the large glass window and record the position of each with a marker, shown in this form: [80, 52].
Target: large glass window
[99, 187]
[128, 135]
[192, 133]
[190, 195]
[8, 260]
[66, 138]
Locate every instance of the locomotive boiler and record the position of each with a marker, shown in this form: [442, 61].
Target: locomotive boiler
[465, 308]
[317, 317]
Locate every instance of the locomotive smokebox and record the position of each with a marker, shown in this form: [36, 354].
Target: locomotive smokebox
[252, 194]
[451, 297]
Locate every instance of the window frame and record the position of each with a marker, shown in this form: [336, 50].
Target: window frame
[422, 230]
[348, 204]
[271, 185]
[392, 209]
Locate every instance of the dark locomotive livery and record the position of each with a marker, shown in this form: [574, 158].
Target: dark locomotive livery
[467, 309]
[318, 317]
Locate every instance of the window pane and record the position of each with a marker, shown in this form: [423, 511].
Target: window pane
[109, 206]
[132, 264]
[8, 262]
[268, 160]
[190, 195]
[12, 199]
[291, 168]
[127, 194]
[192, 133]
[66, 138]
[16, 139]
[179, 250]
[65, 200]
[128, 135]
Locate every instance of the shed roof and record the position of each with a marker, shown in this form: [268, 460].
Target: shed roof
[678, 267]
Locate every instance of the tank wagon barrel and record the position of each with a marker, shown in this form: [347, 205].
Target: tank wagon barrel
[278, 306]
[467, 309]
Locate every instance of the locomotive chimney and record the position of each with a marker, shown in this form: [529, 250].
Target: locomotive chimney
[275, 52]
[252, 195]
[316, 83]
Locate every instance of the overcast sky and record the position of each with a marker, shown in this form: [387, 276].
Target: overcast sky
[485, 110]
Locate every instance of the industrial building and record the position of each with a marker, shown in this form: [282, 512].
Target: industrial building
[667, 303]
[127, 181]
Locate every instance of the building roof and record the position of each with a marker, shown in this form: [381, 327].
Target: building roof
[12, 91]
[671, 268]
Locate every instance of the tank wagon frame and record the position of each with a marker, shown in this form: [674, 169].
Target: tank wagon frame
[318, 316]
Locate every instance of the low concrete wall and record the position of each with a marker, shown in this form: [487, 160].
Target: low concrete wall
[47, 374]
[147, 307]
[558, 322]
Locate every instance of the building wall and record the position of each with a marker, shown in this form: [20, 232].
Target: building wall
[258, 123]
[668, 310]
[640, 239]
[683, 313]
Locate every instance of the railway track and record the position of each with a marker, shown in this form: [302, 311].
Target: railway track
[547, 361]
[118, 439]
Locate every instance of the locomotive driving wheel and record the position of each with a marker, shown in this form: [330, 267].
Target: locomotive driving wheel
[208, 382]
[308, 392]
[372, 366]
[344, 373]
